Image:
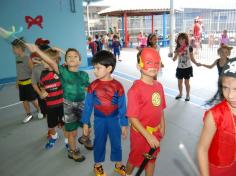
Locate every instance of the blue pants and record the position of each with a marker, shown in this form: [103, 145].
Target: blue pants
[117, 52]
[104, 127]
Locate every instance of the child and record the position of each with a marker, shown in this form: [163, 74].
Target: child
[217, 144]
[92, 46]
[37, 70]
[224, 52]
[224, 39]
[116, 47]
[143, 41]
[74, 83]
[184, 70]
[51, 91]
[106, 95]
[152, 42]
[24, 83]
[146, 103]
[98, 43]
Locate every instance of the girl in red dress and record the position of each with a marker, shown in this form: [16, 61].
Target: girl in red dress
[217, 145]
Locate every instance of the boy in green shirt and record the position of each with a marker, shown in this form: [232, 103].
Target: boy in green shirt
[74, 84]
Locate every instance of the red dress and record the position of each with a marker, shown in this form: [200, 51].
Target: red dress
[222, 152]
[146, 103]
[196, 32]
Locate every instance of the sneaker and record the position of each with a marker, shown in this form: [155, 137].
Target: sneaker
[187, 99]
[86, 142]
[76, 155]
[40, 116]
[27, 118]
[98, 170]
[67, 146]
[120, 170]
[50, 144]
[178, 97]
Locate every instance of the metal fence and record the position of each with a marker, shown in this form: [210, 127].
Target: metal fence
[213, 20]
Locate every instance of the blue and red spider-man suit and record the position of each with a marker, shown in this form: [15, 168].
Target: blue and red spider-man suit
[107, 98]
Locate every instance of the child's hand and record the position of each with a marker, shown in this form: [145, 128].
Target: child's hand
[85, 130]
[43, 95]
[31, 47]
[152, 141]
[198, 64]
[124, 131]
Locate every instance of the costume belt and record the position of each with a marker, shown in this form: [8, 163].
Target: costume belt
[149, 129]
[25, 82]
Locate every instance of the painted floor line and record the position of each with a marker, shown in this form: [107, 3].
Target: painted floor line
[10, 105]
[134, 78]
[168, 92]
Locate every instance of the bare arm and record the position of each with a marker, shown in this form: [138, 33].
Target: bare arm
[41, 92]
[206, 137]
[193, 59]
[30, 63]
[163, 125]
[36, 88]
[45, 57]
[175, 56]
[151, 139]
[210, 66]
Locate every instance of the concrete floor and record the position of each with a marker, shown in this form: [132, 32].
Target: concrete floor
[22, 145]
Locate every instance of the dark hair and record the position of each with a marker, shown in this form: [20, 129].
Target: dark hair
[19, 43]
[181, 36]
[218, 96]
[138, 56]
[115, 36]
[44, 47]
[72, 49]
[150, 36]
[105, 58]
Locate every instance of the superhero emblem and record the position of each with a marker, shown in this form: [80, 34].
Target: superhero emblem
[156, 99]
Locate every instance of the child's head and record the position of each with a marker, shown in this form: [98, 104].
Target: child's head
[103, 61]
[224, 51]
[54, 55]
[72, 58]
[148, 60]
[152, 40]
[18, 46]
[227, 82]
[43, 44]
[182, 39]
[89, 39]
[225, 32]
[115, 37]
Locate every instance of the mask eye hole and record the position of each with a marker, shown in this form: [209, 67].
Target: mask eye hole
[149, 62]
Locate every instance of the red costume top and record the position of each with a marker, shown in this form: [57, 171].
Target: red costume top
[222, 152]
[196, 31]
[146, 103]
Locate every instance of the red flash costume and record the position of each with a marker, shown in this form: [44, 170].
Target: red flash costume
[146, 103]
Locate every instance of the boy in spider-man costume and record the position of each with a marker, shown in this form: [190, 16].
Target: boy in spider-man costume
[106, 96]
[145, 111]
